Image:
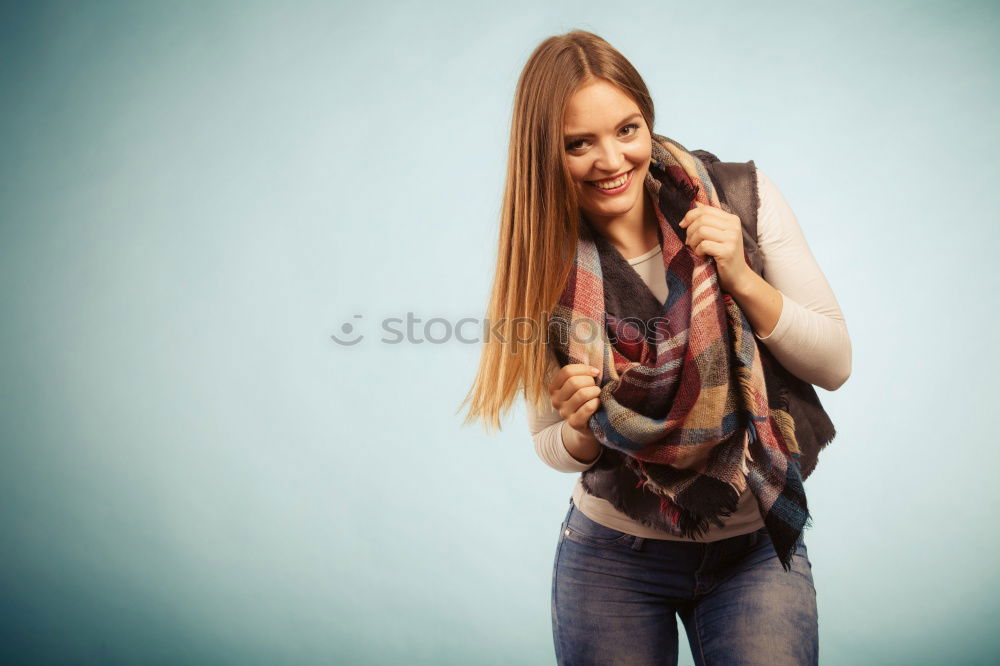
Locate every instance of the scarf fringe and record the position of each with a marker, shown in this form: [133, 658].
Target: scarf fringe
[690, 522]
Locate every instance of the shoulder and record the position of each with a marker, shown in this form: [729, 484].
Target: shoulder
[778, 229]
[773, 211]
[766, 189]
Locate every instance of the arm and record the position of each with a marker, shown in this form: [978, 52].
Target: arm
[554, 440]
[795, 306]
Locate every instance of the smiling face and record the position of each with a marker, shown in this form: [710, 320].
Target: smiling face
[608, 149]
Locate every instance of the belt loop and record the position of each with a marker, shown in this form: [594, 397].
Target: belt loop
[637, 543]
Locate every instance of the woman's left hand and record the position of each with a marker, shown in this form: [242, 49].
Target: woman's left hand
[713, 232]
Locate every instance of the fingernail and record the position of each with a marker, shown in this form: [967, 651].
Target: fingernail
[594, 371]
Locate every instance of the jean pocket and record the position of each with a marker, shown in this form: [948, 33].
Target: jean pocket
[581, 529]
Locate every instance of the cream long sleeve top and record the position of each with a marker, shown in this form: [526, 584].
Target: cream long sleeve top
[810, 340]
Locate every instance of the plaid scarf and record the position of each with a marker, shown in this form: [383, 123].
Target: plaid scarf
[689, 397]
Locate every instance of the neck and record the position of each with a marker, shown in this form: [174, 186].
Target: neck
[633, 233]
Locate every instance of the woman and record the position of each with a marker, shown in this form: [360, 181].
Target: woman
[678, 380]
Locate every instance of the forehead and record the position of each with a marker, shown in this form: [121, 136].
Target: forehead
[595, 106]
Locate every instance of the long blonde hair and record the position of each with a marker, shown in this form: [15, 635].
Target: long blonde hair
[539, 218]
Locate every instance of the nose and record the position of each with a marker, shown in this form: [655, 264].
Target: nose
[610, 159]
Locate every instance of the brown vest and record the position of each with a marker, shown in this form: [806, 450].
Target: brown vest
[611, 479]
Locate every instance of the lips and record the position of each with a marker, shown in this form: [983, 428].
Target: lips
[621, 187]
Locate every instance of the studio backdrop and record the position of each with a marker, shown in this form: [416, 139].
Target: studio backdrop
[246, 250]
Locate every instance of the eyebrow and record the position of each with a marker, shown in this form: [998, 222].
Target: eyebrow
[581, 135]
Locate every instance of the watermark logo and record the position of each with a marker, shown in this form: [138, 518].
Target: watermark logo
[347, 329]
[411, 329]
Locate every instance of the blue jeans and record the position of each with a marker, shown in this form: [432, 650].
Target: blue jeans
[615, 595]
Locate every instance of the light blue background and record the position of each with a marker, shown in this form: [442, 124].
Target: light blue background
[193, 198]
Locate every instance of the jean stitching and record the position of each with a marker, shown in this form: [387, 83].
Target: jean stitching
[555, 600]
[578, 536]
[597, 542]
[697, 634]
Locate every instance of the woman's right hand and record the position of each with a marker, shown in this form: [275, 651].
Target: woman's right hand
[575, 394]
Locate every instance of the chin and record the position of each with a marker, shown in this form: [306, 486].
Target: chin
[611, 208]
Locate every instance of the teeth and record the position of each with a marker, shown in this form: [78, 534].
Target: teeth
[612, 184]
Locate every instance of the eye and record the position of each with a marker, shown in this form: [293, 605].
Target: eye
[575, 145]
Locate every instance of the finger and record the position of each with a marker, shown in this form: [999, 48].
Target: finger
[691, 216]
[579, 398]
[567, 371]
[711, 248]
[707, 215]
[581, 417]
[705, 232]
[572, 384]
[701, 208]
